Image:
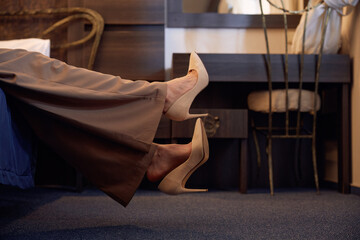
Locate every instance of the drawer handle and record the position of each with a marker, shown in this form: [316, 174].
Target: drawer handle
[211, 123]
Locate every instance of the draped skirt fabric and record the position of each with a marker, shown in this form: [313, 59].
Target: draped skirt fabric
[101, 124]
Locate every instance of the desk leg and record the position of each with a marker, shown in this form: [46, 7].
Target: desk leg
[243, 166]
[344, 143]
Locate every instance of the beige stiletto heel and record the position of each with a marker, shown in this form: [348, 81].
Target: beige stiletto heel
[174, 182]
[179, 110]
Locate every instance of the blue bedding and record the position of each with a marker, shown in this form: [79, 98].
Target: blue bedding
[17, 160]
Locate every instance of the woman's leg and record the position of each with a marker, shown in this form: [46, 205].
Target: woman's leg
[166, 158]
[108, 105]
[102, 124]
[177, 87]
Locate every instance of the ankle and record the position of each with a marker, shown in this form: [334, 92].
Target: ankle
[178, 87]
[166, 158]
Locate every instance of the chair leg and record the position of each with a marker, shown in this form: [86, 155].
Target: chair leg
[297, 158]
[256, 144]
[315, 166]
[269, 153]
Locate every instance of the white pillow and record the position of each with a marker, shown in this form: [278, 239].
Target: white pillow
[29, 44]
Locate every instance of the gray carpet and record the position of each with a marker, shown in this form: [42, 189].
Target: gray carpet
[301, 214]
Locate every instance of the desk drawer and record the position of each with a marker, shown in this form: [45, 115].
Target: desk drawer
[222, 123]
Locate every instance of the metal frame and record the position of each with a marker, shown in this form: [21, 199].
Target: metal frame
[290, 132]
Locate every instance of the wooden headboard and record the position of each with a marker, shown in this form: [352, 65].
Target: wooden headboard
[132, 44]
[54, 30]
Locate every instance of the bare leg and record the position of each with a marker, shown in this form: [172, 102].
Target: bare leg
[178, 87]
[166, 158]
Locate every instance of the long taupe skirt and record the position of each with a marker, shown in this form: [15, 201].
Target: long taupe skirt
[101, 124]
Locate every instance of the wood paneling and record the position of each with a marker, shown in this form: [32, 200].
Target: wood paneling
[132, 52]
[215, 20]
[147, 12]
[17, 5]
[132, 45]
[76, 31]
[252, 68]
[232, 124]
[31, 26]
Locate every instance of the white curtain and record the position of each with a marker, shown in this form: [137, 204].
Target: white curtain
[315, 22]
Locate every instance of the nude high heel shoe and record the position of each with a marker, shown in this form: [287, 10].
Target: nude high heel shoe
[179, 110]
[174, 182]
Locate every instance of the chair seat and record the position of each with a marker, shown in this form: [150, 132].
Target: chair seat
[259, 101]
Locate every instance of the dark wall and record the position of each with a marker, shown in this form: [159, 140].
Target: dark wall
[132, 45]
[15, 27]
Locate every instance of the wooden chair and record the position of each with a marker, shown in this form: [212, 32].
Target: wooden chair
[287, 101]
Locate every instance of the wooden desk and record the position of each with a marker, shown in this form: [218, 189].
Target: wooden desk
[250, 68]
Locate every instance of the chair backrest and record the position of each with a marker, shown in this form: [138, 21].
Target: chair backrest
[286, 68]
[70, 15]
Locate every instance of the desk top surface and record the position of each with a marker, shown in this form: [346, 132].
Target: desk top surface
[335, 68]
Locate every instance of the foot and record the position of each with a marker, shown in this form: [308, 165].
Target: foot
[178, 87]
[174, 182]
[183, 91]
[167, 158]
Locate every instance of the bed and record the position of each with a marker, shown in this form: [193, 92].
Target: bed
[18, 145]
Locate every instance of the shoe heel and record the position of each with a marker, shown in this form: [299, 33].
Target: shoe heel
[171, 187]
[176, 115]
[199, 115]
[189, 190]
